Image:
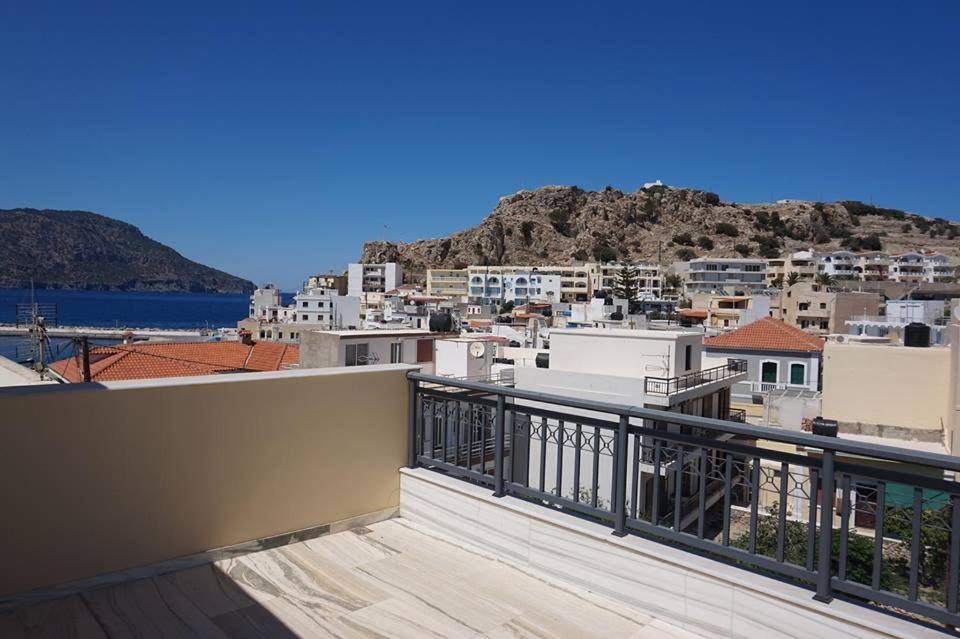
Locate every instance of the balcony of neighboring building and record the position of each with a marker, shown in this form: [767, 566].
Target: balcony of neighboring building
[376, 501]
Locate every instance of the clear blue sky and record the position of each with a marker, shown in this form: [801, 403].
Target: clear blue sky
[271, 139]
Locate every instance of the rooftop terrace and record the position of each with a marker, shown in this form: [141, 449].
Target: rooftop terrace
[266, 504]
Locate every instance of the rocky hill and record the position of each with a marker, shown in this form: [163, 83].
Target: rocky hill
[560, 224]
[81, 250]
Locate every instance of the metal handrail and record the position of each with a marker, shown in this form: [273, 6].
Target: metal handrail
[673, 385]
[480, 433]
[806, 440]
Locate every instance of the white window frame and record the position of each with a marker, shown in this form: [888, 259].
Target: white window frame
[806, 369]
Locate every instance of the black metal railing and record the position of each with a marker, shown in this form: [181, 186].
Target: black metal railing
[878, 524]
[737, 415]
[673, 385]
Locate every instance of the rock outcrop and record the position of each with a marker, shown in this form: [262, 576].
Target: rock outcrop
[561, 224]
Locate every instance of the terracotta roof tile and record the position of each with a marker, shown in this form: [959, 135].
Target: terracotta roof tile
[177, 359]
[767, 334]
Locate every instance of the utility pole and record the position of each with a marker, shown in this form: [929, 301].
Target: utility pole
[84, 357]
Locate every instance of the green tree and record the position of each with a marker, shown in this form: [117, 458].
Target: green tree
[777, 281]
[626, 285]
[506, 307]
[824, 279]
[673, 282]
[792, 278]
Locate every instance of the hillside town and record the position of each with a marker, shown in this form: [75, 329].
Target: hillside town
[472, 321]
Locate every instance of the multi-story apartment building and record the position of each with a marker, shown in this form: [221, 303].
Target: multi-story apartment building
[518, 287]
[649, 279]
[725, 275]
[730, 311]
[373, 278]
[911, 266]
[551, 283]
[370, 282]
[329, 280]
[313, 308]
[839, 265]
[819, 311]
[803, 263]
[449, 282]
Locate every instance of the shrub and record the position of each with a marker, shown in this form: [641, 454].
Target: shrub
[686, 254]
[684, 239]
[725, 228]
[906, 228]
[705, 243]
[526, 230]
[560, 220]
[743, 249]
[603, 252]
[869, 243]
[856, 209]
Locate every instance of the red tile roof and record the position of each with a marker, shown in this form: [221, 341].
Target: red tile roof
[767, 334]
[178, 359]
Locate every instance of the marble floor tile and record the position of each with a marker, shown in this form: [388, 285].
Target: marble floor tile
[658, 629]
[214, 591]
[392, 578]
[148, 609]
[68, 618]
[354, 547]
[253, 622]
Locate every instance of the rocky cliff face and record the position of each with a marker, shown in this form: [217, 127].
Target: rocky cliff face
[81, 250]
[560, 224]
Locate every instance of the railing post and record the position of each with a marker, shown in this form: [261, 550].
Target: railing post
[412, 425]
[824, 567]
[498, 447]
[620, 487]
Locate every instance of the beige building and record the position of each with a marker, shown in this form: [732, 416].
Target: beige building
[449, 282]
[820, 311]
[730, 311]
[802, 263]
[892, 392]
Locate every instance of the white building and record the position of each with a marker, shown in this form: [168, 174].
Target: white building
[371, 282]
[373, 278]
[778, 356]
[496, 285]
[838, 264]
[326, 308]
[322, 349]
[725, 275]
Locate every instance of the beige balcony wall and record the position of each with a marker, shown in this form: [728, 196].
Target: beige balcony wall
[100, 478]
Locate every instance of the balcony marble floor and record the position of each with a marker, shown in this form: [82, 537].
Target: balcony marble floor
[391, 579]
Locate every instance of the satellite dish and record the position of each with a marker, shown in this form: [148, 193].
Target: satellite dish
[478, 349]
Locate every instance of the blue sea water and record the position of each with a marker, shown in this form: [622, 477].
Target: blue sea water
[133, 310]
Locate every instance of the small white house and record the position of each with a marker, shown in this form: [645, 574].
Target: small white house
[779, 356]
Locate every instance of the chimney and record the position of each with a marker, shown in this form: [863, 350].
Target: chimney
[127, 337]
[245, 336]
